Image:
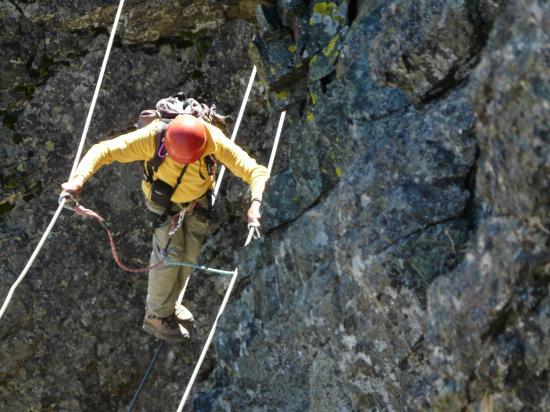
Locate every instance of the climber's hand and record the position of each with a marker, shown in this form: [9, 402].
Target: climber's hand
[74, 186]
[253, 215]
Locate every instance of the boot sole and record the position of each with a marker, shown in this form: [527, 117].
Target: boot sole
[159, 335]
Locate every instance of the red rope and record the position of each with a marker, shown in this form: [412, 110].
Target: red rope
[82, 211]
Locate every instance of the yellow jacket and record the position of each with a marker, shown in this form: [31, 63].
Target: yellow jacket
[140, 146]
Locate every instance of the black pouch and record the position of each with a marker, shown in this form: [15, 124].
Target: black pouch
[161, 193]
[156, 220]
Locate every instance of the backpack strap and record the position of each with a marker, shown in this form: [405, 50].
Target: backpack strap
[150, 167]
[211, 165]
[169, 205]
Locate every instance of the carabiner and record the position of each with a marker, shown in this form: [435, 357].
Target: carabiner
[255, 231]
[68, 198]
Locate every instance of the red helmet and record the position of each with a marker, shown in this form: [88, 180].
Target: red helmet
[185, 139]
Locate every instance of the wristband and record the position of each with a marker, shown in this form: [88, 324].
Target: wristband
[256, 200]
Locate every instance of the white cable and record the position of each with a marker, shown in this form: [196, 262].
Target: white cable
[269, 166]
[97, 88]
[276, 143]
[222, 170]
[207, 343]
[230, 287]
[236, 128]
[77, 158]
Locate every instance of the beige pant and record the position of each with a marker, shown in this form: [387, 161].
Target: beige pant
[166, 282]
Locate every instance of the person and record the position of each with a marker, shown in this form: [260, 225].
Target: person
[187, 142]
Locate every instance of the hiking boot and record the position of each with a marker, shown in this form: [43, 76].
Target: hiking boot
[184, 316]
[165, 328]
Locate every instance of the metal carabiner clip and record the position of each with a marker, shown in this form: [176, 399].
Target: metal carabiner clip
[255, 231]
[69, 199]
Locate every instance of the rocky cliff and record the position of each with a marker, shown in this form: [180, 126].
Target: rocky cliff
[404, 263]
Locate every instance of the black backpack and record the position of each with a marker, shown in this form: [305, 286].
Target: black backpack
[166, 110]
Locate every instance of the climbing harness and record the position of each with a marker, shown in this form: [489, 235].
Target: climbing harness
[177, 220]
[75, 164]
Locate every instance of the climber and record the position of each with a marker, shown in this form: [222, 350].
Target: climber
[180, 183]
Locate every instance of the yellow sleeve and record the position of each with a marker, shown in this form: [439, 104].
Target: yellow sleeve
[239, 162]
[130, 147]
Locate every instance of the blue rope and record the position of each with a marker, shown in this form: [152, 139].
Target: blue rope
[199, 267]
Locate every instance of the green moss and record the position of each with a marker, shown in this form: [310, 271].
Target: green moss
[310, 117]
[50, 146]
[329, 9]
[292, 48]
[334, 160]
[282, 95]
[313, 97]
[329, 49]
[340, 20]
[325, 8]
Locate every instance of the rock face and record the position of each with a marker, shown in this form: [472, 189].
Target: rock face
[498, 349]
[427, 47]
[404, 263]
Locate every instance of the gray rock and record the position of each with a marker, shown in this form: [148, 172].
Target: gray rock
[515, 165]
[275, 61]
[488, 320]
[493, 337]
[403, 263]
[428, 46]
[328, 26]
[294, 15]
[326, 20]
[343, 287]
